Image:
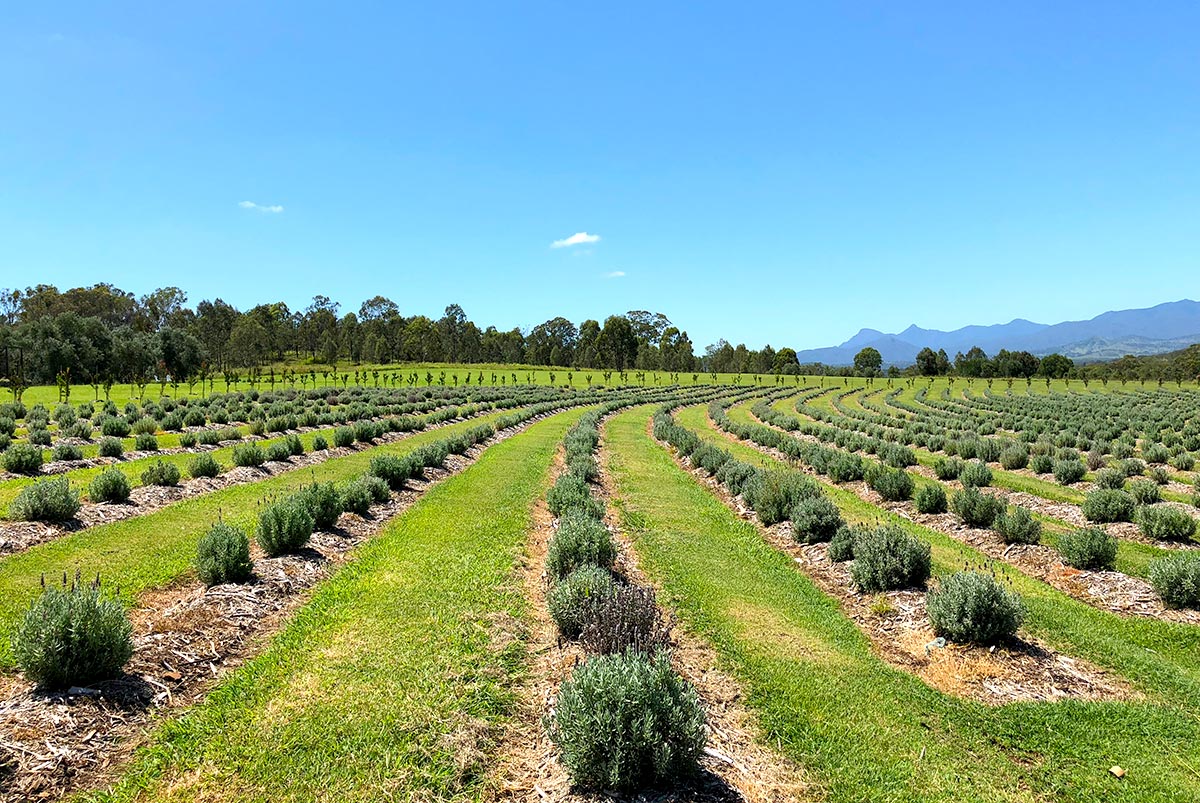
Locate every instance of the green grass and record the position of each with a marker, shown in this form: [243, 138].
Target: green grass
[1133, 558]
[867, 731]
[133, 468]
[121, 393]
[373, 690]
[166, 440]
[1162, 657]
[539, 374]
[153, 550]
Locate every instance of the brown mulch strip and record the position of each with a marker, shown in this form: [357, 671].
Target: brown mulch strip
[1181, 483]
[735, 766]
[1063, 511]
[899, 631]
[1070, 513]
[1073, 515]
[1112, 591]
[896, 623]
[18, 536]
[186, 637]
[52, 467]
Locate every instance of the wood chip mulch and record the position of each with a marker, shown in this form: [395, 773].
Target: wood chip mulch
[1111, 591]
[186, 637]
[899, 631]
[17, 536]
[736, 766]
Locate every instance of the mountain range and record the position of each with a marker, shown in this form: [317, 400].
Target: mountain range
[1154, 330]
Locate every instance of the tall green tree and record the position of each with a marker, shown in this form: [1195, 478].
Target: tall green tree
[552, 342]
[927, 362]
[786, 361]
[212, 327]
[868, 362]
[179, 352]
[1056, 366]
[617, 344]
[587, 350]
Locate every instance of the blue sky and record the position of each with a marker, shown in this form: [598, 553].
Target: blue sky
[782, 173]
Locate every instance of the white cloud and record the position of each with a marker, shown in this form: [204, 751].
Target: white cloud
[616, 274]
[578, 238]
[273, 209]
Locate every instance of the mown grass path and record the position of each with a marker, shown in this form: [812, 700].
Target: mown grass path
[132, 467]
[1133, 557]
[868, 731]
[153, 550]
[1002, 478]
[387, 683]
[1162, 657]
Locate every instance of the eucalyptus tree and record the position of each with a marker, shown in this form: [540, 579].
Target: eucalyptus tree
[868, 361]
[617, 344]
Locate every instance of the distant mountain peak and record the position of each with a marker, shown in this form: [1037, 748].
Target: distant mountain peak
[1150, 330]
[863, 337]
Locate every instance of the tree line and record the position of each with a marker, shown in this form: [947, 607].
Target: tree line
[103, 333]
[975, 364]
[1178, 366]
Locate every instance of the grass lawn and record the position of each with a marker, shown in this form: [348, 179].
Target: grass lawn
[133, 468]
[1163, 657]
[387, 683]
[867, 731]
[153, 550]
[440, 374]
[1133, 557]
[539, 375]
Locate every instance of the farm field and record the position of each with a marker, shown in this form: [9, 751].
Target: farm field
[437, 375]
[401, 375]
[719, 588]
[465, 403]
